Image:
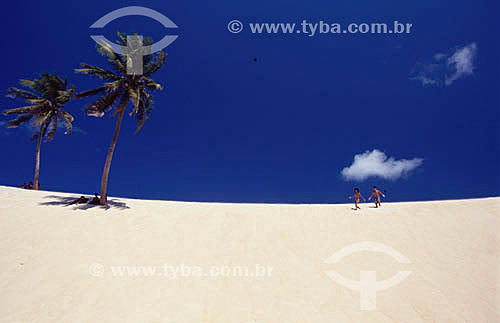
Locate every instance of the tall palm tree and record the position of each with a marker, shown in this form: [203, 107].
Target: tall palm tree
[118, 90]
[46, 97]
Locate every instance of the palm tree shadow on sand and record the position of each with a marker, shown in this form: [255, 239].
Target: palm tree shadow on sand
[65, 201]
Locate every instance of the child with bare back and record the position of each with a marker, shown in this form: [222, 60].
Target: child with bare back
[376, 194]
[356, 196]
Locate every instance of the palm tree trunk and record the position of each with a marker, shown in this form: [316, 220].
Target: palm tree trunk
[107, 165]
[36, 186]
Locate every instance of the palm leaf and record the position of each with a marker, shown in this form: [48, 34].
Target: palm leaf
[97, 71]
[52, 128]
[135, 97]
[151, 85]
[113, 58]
[144, 111]
[19, 120]
[103, 104]
[42, 118]
[156, 63]
[26, 109]
[67, 120]
[90, 92]
[32, 84]
[15, 93]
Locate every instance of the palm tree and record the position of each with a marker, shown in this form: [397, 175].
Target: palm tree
[46, 97]
[118, 90]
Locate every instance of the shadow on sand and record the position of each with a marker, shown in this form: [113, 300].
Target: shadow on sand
[65, 201]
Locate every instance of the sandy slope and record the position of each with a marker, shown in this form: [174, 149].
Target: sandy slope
[47, 248]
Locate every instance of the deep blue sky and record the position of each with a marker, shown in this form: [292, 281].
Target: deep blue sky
[281, 129]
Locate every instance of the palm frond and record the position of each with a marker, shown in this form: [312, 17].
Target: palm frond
[90, 92]
[103, 104]
[42, 118]
[97, 71]
[65, 96]
[32, 84]
[67, 120]
[151, 85]
[30, 108]
[113, 86]
[23, 118]
[135, 98]
[155, 64]
[144, 111]
[52, 128]
[15, 93]
[113, 58]
[38, 101]
[48, 85]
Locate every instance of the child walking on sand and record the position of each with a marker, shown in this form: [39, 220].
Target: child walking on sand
[356, 196]
[376, 194]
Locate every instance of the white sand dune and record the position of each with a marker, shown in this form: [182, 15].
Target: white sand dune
[48, 248]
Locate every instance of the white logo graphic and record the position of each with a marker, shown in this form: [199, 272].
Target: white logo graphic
[368, 284]
[134, 49]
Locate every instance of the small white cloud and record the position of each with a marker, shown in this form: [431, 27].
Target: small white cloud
[445, 69]
[376, 164]
[461, 63]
